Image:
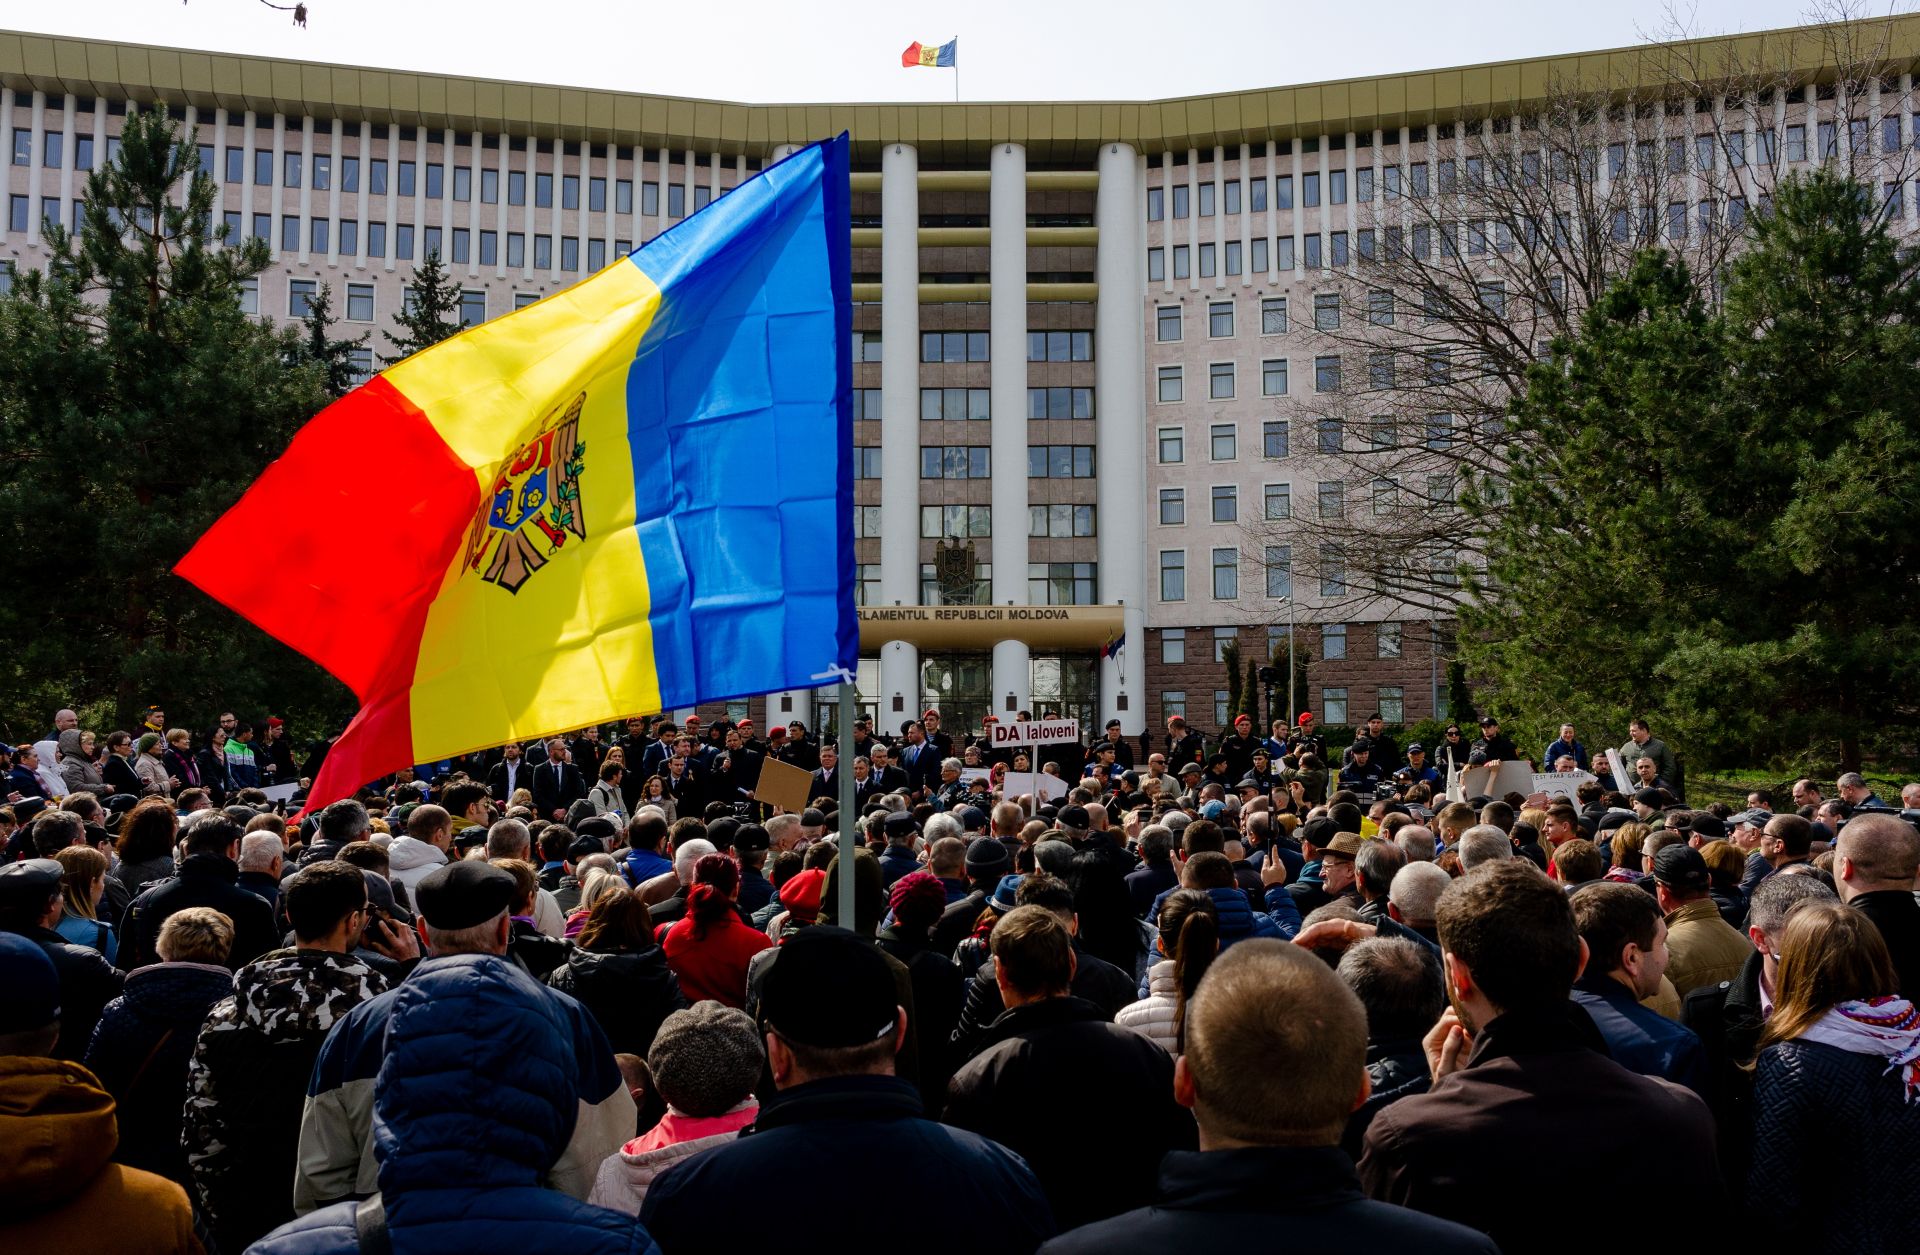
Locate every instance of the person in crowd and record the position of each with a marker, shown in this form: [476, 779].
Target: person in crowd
[529, 946]
[263, 857]
[59, 1187]
[1399, 983]
[30, 906]
[1268, 1162]
[704, 1063]
[619, 972]
[608, 800]
[209, 876]
[1375, 865]
[1626, 941]
[144, 1042]
[77, 768]
[1834, 1092]
[251, 1063]
[1566, 745]
[443, 1180]
[1514, 1068]
[425, 845]
[646, 857]
[1187, 940]
[833, 1025]
[1049, 1052]
[511, 839]
[987, 861]
[914, 903]
[1704, 949]
[212, 763]
[1414, 897]
[557, 783]
[899, 858]
[1875, 859]
[145, 846]
[1641, 743]
[82, 883]
[710, 948]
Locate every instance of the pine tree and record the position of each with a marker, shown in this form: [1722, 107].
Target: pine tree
[1230, 659]
[429, 314]
[317, 345]
[138, 401]
[1250, 694]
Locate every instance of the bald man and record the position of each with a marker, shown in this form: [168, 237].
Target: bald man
[1875, 858]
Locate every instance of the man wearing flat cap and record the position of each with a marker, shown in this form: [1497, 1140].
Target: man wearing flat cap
[833, 1024]
[465, 907]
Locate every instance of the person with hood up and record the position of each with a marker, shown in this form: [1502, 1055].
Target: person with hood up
[710, 948]
[46, 770]
[704, 1062]
[452, 1180]
[423, 847]
[620, 974]
[77, 768]
[155, 779]
[248, 1078]
[59, 1190]
[144, 1041]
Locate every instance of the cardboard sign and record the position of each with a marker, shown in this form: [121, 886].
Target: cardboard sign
[1560, 783]
[783, 785]
[1621, 779]
[281, 792]
[1036, 732]
[976, 775]
[1513, 777]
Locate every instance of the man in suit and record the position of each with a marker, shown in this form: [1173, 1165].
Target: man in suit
[510, 773]
[798, 750]
[920, 759]
[887, 778]
[941, 742]
[826, 781]
[653, 757]
[742, 775]
[557, 783]
[865, 787]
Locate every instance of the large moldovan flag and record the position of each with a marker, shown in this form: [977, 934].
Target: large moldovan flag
[634, 495]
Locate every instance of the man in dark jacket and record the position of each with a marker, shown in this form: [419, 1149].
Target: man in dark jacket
[248, 1079]
[1517, 1067]
[30, 905]
[1876, 856]
[557, 783]
[1156, 874]
[833, 1025]
[209, 876]
[1183, 747]
[1626, 956]
[1087, 1104]
[1238, 745]
[509, 775]
[1399, 983]
[1494, 746]
[1269, 1168]
[987, 862]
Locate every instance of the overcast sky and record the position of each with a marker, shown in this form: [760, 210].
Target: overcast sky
[759, 50]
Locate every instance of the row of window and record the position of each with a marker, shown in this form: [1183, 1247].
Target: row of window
[976, 404]
[1333, 642]
[1058, 461]
[1048, 584]
[1391, 702]
[974, 522]
[1170, 382]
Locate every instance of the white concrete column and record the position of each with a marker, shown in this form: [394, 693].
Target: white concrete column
[274, 187]
[1219, 217]
[476, 162]
[1273, 218]
[37, 121]
[219, 170]
[306, 190]
[336, 167]
[1007, 209]
[1245, 171]
[900, 417]
[246, 175]
[1167, 227]
[67, 161]
[1121, 403]
[1012, 676]
[391, 155]
[1192, 232]
[504, 163]
[363, 198]
[6, 129]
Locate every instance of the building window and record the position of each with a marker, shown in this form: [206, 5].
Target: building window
[1226, 503]
[1332, 494]
[954, 462]
[1273, 438]
[1062, 583]
[1333, 641]
[1231, 190]
[1326, 373]
[953, 346]
[569, 191]
[403, 242]
[1257, 196]
[1223, 442]
[1173, 702]
[1061, 346]
[866, 347]
[542, 251]
[436, 182]
[1220, 711]
[1156, 204]
[1172, 445]
[377, 177]
[1333, 572]
[1273, 316]
[262, 168]
[1167, 323]
[1157, 264]
[321, 231]
[1173, 575]
[866, 583]
[1273, 377]
[1060, 520]
[490, 248]
[954, 404]
[1226, 574]
[360, 302]
[1223, 637]
[1182, 197]
[596, 255]
[1393, 704]
[1207, 267]
[1182, 262]
[1172, 386]
[542, 189]
[1279, 502]
[1330, 433]
[1387, 636]
[1333, 706]
[1206, 200]
[1220, 381]
[1314, 246]
[290, 170]
[462, 245]
[1173, 507]
[1060, 461]
[1280, 572]
[473, 308]
[462, 182]
[955, 520]
[1066, 403]
[1220, 320]
[1326, 311]
[517, 252]
[250, 296]
[570, 252]
[1173, 646]
[300, 294]
[866, 462]
[360, 364]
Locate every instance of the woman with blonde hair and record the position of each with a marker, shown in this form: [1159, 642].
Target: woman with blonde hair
[83, 879]
[1836, 1094]
[1628, 865]
[598, 882]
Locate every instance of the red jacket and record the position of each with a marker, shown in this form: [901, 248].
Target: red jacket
[713, 966]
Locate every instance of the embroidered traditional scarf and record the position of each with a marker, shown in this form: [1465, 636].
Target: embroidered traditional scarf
[1887, 1027]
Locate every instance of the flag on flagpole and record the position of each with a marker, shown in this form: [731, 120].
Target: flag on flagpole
[931, 55]
[634, 495]
[1113, 647]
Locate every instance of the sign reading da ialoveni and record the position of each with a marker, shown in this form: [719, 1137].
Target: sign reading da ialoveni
[1036, 732]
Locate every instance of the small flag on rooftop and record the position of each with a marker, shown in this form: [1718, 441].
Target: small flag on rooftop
[944, 56]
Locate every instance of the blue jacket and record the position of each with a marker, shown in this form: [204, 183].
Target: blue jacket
[641, 866]
[475, 1102]
[1238, 919]
[1640, 1039]
[1559, 748]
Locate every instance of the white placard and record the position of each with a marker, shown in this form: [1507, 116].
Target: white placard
[1036, 732]
[280, 792]
[976, 775]
[1621, 780]
[1560, 783]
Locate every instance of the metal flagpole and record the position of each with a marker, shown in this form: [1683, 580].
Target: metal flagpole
[955, 41]
[849, 819]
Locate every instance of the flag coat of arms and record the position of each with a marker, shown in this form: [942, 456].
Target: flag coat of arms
[631, 496]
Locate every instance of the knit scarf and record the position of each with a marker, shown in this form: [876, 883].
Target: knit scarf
[1888, 1027]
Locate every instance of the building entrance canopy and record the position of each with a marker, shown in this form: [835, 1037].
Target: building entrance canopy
[980, 627]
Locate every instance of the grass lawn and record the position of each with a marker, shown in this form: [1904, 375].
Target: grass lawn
[1732, 787]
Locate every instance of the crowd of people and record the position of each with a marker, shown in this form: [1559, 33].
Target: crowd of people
[593, 994]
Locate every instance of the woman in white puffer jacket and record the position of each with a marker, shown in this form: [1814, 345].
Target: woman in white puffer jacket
[1190, 918]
